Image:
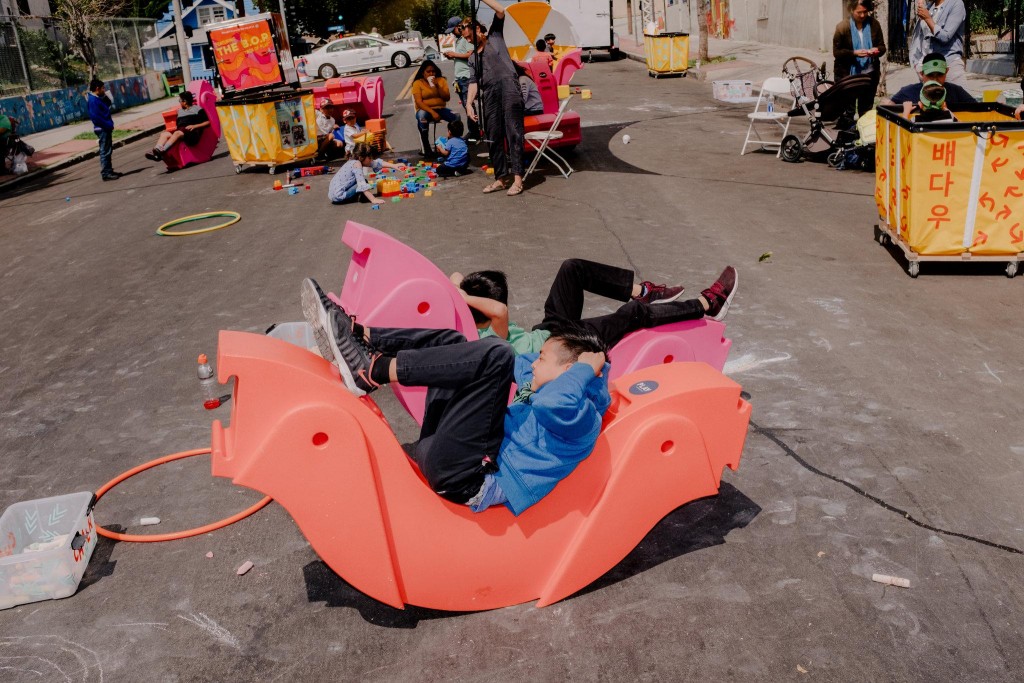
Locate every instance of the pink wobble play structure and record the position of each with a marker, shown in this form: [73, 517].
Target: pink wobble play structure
[390, 284]
[362, 94]
[182, 155]
[331, 460]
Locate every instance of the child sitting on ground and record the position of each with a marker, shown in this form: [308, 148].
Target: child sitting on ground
[647, 304]
[455, 152]
[351, 130]
[473, 448]
[350, 180]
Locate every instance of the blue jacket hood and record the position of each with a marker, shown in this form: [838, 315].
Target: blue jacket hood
[548, 437]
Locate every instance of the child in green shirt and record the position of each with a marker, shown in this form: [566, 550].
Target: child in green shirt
[646, 304]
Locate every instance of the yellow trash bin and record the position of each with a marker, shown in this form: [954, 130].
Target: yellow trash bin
[269, 129]
[667, 53]
[952, 191]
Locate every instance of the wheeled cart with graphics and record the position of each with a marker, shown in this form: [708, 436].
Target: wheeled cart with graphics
[952, 191]
[269, 129]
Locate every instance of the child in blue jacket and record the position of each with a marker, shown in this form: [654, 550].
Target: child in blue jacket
[98, 106]
[473, 448]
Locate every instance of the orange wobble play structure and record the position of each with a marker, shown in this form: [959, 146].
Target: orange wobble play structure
[333, 462]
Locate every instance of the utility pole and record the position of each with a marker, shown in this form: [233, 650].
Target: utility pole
[284, 18]
[183, 54]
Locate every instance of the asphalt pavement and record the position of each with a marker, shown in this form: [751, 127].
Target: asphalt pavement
[885, 435]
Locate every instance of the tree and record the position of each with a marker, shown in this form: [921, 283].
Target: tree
[703, 21]
[76, 18]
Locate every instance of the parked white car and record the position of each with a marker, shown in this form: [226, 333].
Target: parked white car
[360, 53]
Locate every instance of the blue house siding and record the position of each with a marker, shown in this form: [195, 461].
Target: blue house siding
[191, 19]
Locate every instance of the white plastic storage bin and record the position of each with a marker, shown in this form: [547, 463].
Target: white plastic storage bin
[300, 334]
[733, 91]
[45, 546]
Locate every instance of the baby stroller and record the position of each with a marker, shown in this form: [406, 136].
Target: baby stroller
[829, 108]
[15, 157]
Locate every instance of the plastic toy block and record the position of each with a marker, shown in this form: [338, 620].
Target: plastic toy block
[428, 193]
[375, 207]
[293, 190]
[490, 171]
[277, 185]
[395, 200]
[669, 434]
[388, 187]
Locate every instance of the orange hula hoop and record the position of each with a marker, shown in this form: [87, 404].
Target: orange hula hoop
[177, 535]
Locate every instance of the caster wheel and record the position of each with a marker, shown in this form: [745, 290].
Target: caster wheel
[914, 269]
[1011, 269]
[272, 170]
[238, 168]
[792, 149]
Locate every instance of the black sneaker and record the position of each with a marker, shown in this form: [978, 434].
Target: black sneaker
[110, 177]
[719, 295]
[153, 155]
[658, 294]
[332, 329]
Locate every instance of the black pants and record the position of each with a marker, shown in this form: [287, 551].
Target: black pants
[467, 393]
[564, 305]
[503, 122]
[446, 171]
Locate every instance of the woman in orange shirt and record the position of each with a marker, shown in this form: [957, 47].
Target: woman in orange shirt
[431, 94]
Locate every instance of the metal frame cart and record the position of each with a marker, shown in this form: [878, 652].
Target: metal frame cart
[952, 191]
[266, 118]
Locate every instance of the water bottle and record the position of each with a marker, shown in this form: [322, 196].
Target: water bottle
[771, 104]
[207, 383]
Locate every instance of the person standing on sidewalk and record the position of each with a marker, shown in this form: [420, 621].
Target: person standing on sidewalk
[940, 28]
[103, 125]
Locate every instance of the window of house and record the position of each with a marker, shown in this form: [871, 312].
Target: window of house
[211, 14]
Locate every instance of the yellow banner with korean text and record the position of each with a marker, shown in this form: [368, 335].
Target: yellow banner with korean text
[952, 191]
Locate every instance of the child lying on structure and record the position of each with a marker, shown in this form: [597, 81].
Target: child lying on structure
[647, 304]
[350, 180]
[474, 449]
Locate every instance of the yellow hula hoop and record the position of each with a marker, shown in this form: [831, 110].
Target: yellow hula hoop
[234, 216]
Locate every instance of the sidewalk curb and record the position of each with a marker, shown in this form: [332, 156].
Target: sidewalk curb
[77, 158]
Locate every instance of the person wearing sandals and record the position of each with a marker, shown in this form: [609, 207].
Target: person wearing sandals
[494, 77]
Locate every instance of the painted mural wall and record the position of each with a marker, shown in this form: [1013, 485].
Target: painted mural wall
[45, 110]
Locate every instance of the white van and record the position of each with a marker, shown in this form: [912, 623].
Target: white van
[592, 21]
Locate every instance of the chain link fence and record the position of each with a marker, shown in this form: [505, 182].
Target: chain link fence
[35, 54]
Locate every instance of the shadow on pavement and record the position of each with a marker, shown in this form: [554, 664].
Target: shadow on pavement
[100, 565]
[594, 154]
[695, 526]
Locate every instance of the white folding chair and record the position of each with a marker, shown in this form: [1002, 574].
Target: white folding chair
[540, 140]
[776, 87]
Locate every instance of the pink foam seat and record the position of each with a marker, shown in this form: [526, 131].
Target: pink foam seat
[390, 284]
[182, 155]
[547, 86]
[567, 65]
[332, 461]
[362, 94]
